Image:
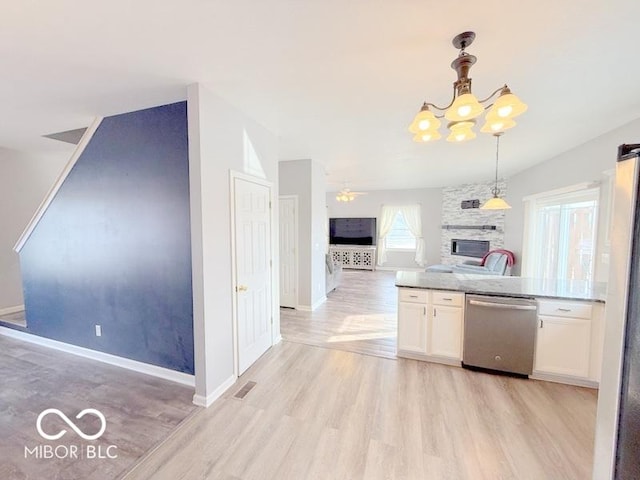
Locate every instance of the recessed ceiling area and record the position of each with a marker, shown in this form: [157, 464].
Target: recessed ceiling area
[69, 136]
[337, 81]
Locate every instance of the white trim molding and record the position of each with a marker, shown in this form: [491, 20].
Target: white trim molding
[307, 308]
[136, 366]
[84, 141]
[206, 402]
[10, 310]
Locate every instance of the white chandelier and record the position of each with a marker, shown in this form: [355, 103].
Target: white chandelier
[465, 107]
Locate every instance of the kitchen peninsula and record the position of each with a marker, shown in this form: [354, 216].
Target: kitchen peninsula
[566, 342]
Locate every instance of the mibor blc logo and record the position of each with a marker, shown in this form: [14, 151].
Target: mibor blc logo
[71, 451]
[58, 435]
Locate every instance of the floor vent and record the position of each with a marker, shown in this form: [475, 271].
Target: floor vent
[244, 390]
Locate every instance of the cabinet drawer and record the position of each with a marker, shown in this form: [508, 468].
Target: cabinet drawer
[414, 295]
[454, 299]
[565, 309]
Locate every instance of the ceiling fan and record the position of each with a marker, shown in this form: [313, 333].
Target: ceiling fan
[347, 195]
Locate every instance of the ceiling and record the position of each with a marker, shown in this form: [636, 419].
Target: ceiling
[338, 81]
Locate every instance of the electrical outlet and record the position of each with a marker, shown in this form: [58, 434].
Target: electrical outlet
[98, 331]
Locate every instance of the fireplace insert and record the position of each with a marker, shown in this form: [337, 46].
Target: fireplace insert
[469, 248]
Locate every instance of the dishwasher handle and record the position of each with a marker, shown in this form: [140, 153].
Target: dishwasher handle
[502, 305]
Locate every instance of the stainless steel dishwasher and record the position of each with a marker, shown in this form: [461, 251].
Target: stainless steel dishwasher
[500, 333]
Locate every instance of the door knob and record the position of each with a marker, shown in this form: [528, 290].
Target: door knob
[242, 288]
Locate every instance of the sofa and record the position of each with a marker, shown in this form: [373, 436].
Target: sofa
[495, 262]
[333, 274]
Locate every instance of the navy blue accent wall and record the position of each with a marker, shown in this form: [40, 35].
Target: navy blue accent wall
[114, 246]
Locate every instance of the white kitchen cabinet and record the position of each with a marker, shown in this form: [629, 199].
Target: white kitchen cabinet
[412, 327]
[569, 341]
[563, 346]
[430, 325]
[446, 332]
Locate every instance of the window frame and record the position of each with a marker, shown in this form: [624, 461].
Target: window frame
[531, 235]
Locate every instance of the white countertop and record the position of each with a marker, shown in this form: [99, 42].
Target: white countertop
[522, 287]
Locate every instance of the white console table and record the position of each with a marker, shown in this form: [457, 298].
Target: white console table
[352, 256]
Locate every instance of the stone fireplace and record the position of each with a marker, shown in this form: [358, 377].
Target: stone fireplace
[469, 224]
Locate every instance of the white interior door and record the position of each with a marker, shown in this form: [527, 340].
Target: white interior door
[252, 220]
[288, 229]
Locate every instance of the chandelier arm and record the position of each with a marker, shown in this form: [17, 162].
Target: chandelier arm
[492, 95]
[442, 109]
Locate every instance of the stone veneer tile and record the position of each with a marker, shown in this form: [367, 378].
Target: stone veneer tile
[453, 214]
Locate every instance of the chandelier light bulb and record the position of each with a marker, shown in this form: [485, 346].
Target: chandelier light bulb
[464, 110]
[505, 111]
[465, 107]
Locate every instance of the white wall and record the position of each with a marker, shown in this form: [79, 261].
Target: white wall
[24, 182]
[318, 234]
[369, 206]
[221, 139]
[582, 164]
[306, 179]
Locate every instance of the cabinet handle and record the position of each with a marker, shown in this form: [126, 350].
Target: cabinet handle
[541, 323]
[564, 309]
[413, 296]
[448, 299]
[424, 310]
[434, 312]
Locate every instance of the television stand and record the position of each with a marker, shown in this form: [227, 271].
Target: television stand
[354, 256]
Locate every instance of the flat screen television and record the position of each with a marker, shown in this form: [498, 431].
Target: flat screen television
[352, 231]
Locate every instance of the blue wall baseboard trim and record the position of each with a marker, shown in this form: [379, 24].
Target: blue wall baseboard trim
[153, 370]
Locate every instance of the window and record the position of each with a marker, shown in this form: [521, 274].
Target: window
[400, 237]
[562, 235]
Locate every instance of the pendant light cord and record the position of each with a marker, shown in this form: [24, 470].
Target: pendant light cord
[495, 188]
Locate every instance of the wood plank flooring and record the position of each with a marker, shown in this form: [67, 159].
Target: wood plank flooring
[140, 411]
[317, 413]
[359, 316]
[17, 318]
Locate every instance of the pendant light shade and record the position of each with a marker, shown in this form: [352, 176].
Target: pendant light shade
[428, 136]
[465, 107]
[461, 131]
[424, 121]
[495, 124]
[507, 105]
[496, 203]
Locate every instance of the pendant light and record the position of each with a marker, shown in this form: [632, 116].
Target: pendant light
[496, 203]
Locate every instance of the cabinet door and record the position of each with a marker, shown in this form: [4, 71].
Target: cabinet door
[412, 327]
[563, 346]
[446, 332]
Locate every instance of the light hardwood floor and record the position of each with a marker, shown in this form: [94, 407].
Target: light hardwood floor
[317, 413]
[140, 411]
[327, 413]
[359, 316]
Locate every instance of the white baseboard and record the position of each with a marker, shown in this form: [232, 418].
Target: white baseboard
[311, 308]
[141, 367]
[566, 379]
[10, 310]
[203, 401]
